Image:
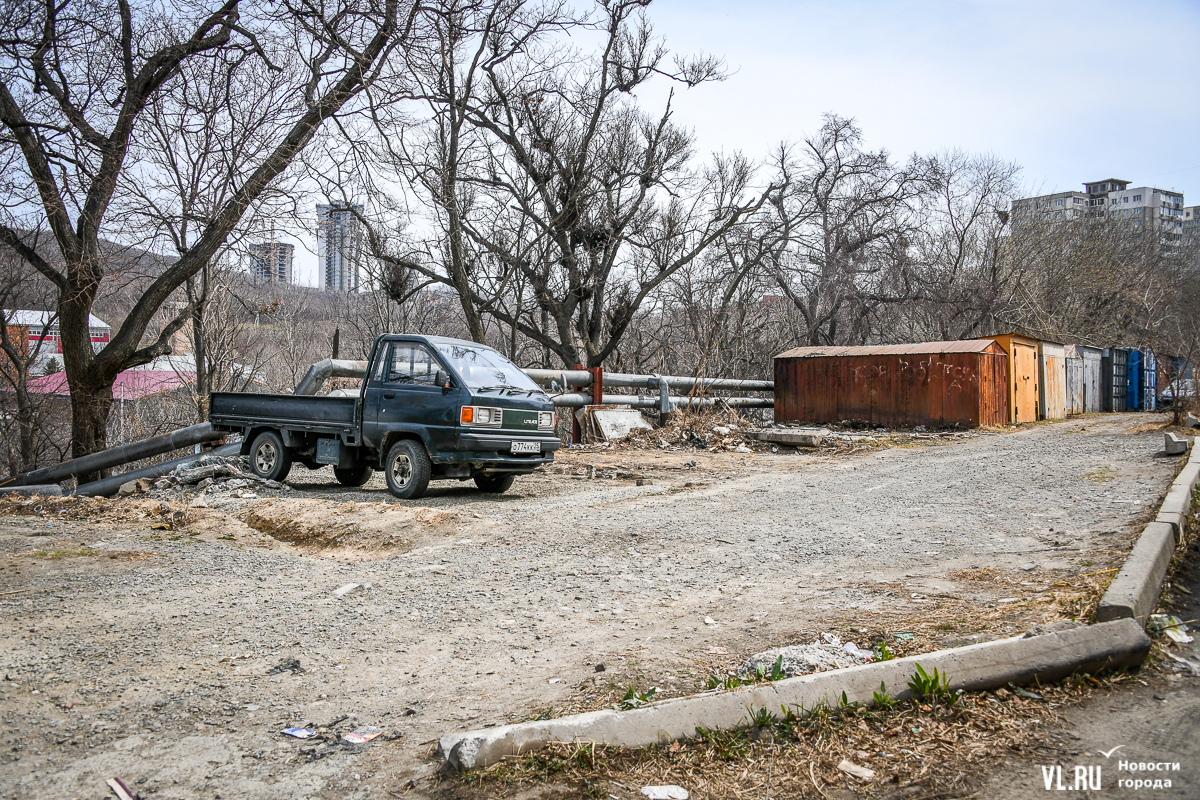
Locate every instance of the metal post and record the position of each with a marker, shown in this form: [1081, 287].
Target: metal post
[664, 402]
[598, 386]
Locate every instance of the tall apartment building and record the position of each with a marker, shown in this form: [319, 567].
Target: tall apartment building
[1111, 199]
[339, 247]
[271, 262]
[1191, 225]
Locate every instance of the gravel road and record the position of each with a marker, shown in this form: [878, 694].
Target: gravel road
[132, 653]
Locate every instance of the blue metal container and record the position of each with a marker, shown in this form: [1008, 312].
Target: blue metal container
[1133, 380]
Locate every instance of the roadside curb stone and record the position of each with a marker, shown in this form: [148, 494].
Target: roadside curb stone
[989, 665]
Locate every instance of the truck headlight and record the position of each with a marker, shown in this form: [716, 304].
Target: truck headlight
[547, 420]
[481, 416]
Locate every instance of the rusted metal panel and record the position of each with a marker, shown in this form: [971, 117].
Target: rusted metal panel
[1052, 381]
[963, 386]
[917, 348]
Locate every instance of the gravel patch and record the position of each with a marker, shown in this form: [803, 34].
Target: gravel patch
[155, 667]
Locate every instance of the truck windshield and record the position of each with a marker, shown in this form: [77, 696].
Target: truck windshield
[482, 367]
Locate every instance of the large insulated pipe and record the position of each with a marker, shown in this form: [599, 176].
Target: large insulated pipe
[115, 456]
[579, 400]
[630, 381]
[107, 487]
[322, 371]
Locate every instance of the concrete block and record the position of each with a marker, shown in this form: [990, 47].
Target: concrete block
[796, 437]
[1189, 476]
[1174, 445]
[1178, 500]
[1191, 421]
[1134, 592]
[37, 489]
[1178, 523]
[983, 666]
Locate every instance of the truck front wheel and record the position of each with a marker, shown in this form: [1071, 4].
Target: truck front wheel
[357, 475]
[407, 469]
[496, 484]
[269, 459]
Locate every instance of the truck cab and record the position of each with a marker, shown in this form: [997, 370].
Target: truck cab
[429, 408]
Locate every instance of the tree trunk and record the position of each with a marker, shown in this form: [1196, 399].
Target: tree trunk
[90, 405]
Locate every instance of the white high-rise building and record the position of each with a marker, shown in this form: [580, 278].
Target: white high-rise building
[339, 247]
[1111, 199]
[271, 262]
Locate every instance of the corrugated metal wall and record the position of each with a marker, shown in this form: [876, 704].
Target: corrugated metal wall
[1093, 381]
[1074, 381]
[895, 390]
[1114, 370]
[1052, 381]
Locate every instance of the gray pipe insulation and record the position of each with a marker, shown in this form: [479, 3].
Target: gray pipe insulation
[579, 400]
[116, 456]
[107, 487]
[322, 371]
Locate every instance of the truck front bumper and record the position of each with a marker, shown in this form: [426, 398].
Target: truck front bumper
[493, 451]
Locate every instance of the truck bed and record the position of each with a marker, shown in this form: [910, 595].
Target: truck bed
[301, 412]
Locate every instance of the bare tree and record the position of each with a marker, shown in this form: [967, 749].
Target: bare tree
[849, 217]
[75, 85]
[563, 207]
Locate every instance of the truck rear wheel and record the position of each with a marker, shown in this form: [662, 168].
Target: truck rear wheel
[269, 459]
[407, 469]
[357, 475]
[496, 484]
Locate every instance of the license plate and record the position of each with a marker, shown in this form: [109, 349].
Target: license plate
[526, 447]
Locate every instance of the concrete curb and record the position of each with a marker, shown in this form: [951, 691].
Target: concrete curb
[990, 665]
[1134, 592]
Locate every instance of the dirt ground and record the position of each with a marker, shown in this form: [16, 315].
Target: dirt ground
[168, 644]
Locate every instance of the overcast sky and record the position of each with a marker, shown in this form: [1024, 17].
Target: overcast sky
[1073, 92]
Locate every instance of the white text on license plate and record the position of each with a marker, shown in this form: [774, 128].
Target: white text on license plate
[526, 447]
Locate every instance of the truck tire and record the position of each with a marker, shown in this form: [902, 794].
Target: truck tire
[357, 475]
[269, 458]
[407, 469]
[496, 484]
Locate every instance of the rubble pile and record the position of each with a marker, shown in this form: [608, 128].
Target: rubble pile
[209, 475]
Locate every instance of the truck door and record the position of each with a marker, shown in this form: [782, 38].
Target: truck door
[403, 395]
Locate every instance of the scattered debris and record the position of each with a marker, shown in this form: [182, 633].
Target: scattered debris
[671, 792]
[362, 735]
[850, 768]
[802, 659]
[291, 665]
[299, 733]
[1175, 629]
[119, 789]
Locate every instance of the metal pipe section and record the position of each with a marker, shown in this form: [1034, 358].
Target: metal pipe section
[116, 456]
[572, 377]
[563, 377]
[322, 371]
[579, 400]
[107, 487]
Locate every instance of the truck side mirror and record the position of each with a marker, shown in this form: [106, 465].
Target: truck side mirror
[442, 379]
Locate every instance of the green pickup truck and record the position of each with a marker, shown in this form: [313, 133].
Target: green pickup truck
[429, 408]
